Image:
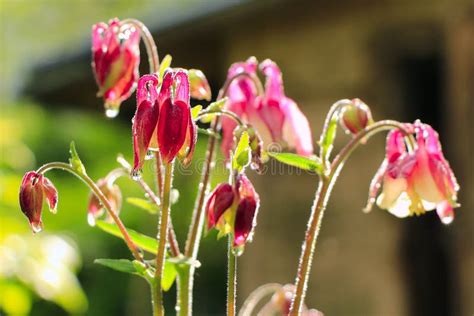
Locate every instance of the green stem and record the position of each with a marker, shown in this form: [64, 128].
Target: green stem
[182, 306]
[231, 279]
[162, 240]
[227, 113]
[102, 198]
[326, 183]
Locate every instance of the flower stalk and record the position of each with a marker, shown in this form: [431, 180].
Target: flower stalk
[162, 240]
[326, 183]
[103, 199]
[231, 278]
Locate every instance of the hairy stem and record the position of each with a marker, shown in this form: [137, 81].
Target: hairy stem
[326, 183]
[256, 296]
[182, 306]
[152, 51]
[102, 198]
[231, 279]
[162, 240]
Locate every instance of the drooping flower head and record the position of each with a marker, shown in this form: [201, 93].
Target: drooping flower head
[233, 209]
[418, 180]
[199, 86]
[115, 60]
[163, 119]
[112, 192]
[276, 117]
[34, 188]
[355, 116]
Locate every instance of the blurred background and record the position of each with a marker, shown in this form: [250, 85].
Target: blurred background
[405, 59]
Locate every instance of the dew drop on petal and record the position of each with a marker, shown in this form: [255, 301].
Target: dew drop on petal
[111, 113]
[91, 219]
[36, 227]
[136, 175]
[149, 155]
[446, 220]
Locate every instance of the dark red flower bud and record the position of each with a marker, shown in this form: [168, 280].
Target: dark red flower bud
[356, 116]
[245, 217]
[113, 194]
[116, 56]
[145, 119]
[221, 200]
[199, 86]
[175, 115]
[34, 187]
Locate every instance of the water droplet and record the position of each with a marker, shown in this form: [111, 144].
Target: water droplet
[91, 219]
[36, 227]
[149, 155]
[111, 113]
[136, 175]
[238, 251]
[446, 220]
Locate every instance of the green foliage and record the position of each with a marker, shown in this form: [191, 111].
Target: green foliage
[301, 162]
[147, 243]
[328, 139]
[75, 161]
[146, 205]
[242, 153]
[165, 63]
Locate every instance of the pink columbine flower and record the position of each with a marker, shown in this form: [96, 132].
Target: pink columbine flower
[34, 188]
[115, 60]
[233, 209]
[416, 181]
[276, 117]
[112, 192]
[163, 119]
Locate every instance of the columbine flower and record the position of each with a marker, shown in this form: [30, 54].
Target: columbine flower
[199, 86]
[233, 209]
[115, 60]
[276, 117]
[163, 119]
[112, 192]
[416, 181]
[34, 188]
[146, 117]
[356, 116]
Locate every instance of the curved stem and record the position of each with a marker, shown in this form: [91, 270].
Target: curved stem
[102, 198]
[231, 279]
[227, 113]
[326, 183]
[162, 233]
[256, 296]
[152, 51]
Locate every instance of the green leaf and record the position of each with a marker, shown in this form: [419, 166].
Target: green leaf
[165, 63]
[146, 205]
[328, 139]
[122, 265]
[217, 105]
[242, 153]
[195, 111]
[301, 162]
[75, 161]
[147, 243]
[169, 275]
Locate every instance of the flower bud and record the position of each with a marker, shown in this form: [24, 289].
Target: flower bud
[34, 187]
[115, 60]
[112, 192]
[355, 117]
[219, 202]
[199, 86]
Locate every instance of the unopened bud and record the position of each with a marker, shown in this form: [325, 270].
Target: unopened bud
[356, 116]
